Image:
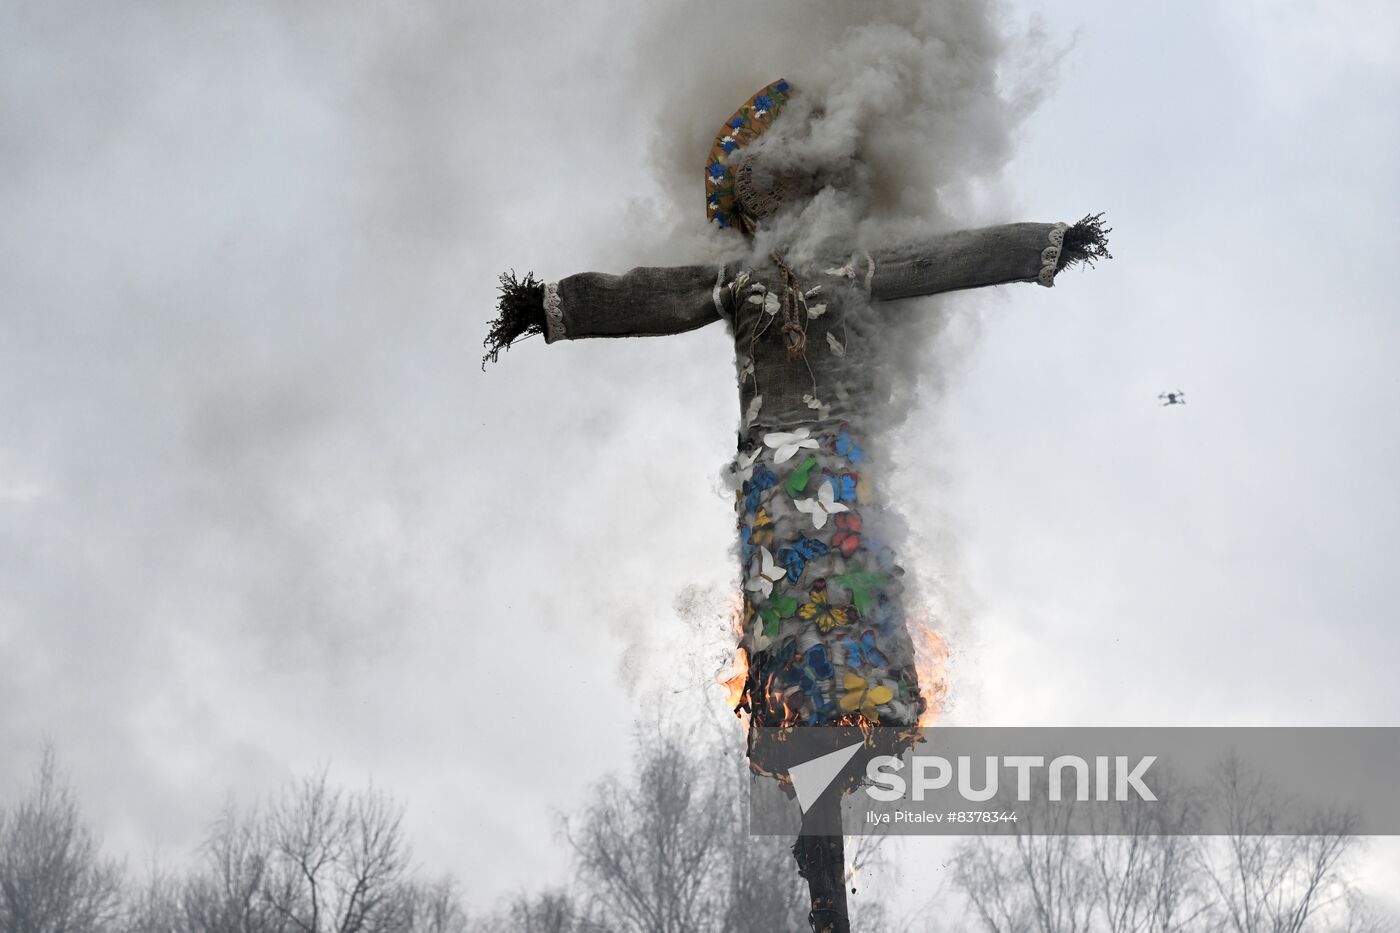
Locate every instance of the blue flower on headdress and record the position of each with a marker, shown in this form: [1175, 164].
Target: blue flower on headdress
[716, 170]
[721, 219]
[736, 123]
[762, 103]
[781, 87]
[729, 144]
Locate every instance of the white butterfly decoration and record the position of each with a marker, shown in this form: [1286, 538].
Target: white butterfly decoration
[743, 465]
[821, 505]
[768, 574]
[787, 443]
[836, 345]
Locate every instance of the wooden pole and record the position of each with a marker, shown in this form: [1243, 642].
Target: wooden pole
[821, 860]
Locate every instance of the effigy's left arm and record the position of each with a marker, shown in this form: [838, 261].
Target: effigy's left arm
[1020, 252]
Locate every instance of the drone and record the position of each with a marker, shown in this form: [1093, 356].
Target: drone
[1173, 398]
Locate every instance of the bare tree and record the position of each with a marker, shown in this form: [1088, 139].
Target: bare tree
[548, 912]
[649, 849]
[52, 876]
[338, 863]
[762, 891]
[1144, 873]
[230, 894]
[1039, 880]
[1152, 876]
[1270, 883]
[433, 908]
[317, 860]
[154, 906]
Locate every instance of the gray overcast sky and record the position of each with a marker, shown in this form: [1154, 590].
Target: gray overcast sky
[260, 510]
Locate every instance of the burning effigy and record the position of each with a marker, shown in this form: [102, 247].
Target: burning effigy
[824, 639]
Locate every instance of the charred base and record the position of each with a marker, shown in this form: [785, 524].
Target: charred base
[821, 861]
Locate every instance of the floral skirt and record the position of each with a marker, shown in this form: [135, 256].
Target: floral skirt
[824, 632]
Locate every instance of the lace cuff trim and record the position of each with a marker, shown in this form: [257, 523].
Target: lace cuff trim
[553, 313]
[1050, 256]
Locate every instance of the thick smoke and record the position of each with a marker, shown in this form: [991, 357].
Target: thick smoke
[916, 106]
[924, 97]
[912, 111]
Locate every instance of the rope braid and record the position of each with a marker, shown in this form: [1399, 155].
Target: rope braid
[794, 325]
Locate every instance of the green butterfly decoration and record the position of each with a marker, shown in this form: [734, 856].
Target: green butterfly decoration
[779, 608]
[797, 479]
[863, 585]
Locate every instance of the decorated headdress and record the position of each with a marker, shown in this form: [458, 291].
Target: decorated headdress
[747, 124]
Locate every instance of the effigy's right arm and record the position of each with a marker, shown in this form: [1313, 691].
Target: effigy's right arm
[647, 301]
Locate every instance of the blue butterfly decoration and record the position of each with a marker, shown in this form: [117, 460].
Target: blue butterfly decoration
[762, 479]
[807, 674]
[795, 556]
[847, 447]
[814, 667]
[823, 710]
[844, 486]
[884, 555]
[746, 545]
[861, 652]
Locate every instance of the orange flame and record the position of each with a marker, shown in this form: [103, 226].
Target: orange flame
[931, 662]
[931, 656]
[736, 678]
[734, 685]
